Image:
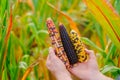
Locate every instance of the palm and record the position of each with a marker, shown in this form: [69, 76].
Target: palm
[86, 68]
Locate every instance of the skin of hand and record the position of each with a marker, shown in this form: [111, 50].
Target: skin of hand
[88, 70]
[84, 71]
[56, 66]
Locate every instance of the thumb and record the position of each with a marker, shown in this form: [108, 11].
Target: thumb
[90, 53]
[51, 53]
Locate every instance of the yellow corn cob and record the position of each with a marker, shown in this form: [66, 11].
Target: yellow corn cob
[56, 42]
[78, 46]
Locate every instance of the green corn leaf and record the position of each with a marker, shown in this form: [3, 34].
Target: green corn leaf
[100, 34]
[109, 68]
[107, 17]
[90, 43]
[111, 51]
[4, 75]
[117, 5]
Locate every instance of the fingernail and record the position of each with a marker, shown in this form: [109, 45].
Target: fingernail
[50, 48]
[86, 49]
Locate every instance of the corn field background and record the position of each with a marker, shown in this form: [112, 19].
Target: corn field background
[24, 40]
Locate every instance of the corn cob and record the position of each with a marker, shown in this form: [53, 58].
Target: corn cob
[78, 46]
[67, 44]
[56, 42]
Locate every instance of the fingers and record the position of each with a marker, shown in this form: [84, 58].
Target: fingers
[49, 58]
[91, 53]
[51, 53]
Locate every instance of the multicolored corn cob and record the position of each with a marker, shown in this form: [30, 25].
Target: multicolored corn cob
[67, 44]
[78, 46]
[56, 42]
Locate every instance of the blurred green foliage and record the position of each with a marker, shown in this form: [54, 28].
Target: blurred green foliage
[29, 39]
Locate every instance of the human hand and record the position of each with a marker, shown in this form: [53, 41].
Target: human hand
[88, 70]
[56, 66]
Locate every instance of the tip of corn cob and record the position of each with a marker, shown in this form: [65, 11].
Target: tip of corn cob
[72, 31]
[49, 22]
[61, 26]
[49, 18]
